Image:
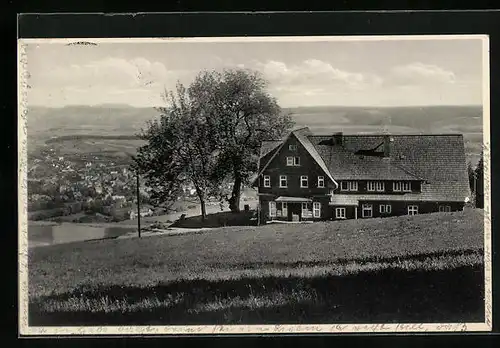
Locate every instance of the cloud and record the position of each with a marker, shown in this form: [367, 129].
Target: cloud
[420, 73]
[108, 80]
[313, 81]
[109, 71]
[314, 72]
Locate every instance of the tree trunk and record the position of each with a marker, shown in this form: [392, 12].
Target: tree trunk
[203, 210]
[201, 197]
[234, 201]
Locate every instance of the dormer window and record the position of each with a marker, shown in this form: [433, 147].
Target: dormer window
[293, 161]
[396, 186]
[348, 186]
[406, 186]
[399, 186]
[378, 186]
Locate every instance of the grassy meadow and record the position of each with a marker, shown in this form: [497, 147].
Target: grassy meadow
[400, 269]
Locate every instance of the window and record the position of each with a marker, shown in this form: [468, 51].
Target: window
[406, 186]
[353, 185]
[292, 147]
[385, 208]
[376, 186]
[380, 186]
[370, 186]
[306, 210]
[321, 181]
[304, 183]
[283, 181]
[367, 210]
[284, 209]
[340, 213]
[444, 208]
[272, 209]
[293, 161]
[396, 186]
[317, 209]
[349, 186]
[399, 186]
[267, 181]
[412, 209]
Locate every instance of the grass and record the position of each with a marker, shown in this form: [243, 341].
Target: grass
[220, 219]
[404, 268]
[390, 295]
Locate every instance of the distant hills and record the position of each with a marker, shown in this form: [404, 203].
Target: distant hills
[93, 119]
[122, 120]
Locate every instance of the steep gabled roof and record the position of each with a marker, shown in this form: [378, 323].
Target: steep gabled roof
[269, 146]
[302, 135]
[271, 149]
[267, 151]
[436, 160]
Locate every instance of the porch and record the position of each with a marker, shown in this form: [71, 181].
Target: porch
[293, 209]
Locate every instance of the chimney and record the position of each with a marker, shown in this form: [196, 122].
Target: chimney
[337, 138]
[387, 145]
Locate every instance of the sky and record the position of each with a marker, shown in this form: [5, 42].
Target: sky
[299, 73]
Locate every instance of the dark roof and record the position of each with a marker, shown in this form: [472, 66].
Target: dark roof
[345, 165]
[268, 146]
[438, 160]
[303, 136]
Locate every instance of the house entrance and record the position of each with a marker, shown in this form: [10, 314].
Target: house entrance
[294, 210]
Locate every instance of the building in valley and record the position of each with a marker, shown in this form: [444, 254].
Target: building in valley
[317, 177]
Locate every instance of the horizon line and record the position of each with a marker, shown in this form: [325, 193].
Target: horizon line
[117, 105]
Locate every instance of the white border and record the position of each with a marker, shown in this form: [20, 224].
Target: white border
[318, 38]
[24, 329]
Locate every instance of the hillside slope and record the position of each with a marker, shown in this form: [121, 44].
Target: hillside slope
[424, 268]
[225, 250]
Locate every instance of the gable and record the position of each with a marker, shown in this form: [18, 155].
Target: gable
[305, 149]
[303, 136]
[278, 161]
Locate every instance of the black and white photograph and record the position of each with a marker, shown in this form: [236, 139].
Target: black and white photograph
[254, 184]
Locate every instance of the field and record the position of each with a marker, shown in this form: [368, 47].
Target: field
[113, 123]
[401, 269]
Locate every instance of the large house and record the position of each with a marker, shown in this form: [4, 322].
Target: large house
[316, 177]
